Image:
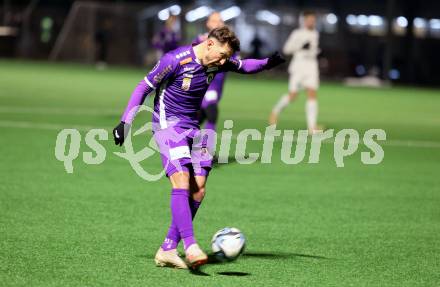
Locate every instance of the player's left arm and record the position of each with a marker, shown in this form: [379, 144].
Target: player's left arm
[162, 71]
[293, 43]
[252, 66]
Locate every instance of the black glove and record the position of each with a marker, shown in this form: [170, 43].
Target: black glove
[120, 132]
[306, 46]
[274, 60]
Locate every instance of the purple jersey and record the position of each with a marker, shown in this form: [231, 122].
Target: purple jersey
[181, 82]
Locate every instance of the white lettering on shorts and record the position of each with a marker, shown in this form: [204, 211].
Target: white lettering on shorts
[180, 152]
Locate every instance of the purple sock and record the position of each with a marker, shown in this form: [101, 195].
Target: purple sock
[181, 216]
[210, 126]
[173, 237]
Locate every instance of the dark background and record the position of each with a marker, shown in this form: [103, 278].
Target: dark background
[129, 26]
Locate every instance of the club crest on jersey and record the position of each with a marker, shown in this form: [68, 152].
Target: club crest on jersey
[209, 78]
[186, 83]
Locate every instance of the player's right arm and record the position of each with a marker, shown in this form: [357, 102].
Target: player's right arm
[293, 43]
[161, 71]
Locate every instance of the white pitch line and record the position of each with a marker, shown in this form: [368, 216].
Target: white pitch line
[58, 111]
[46, 126]
[412, 143]
[394, 143]
[50, 126]
[86, 111]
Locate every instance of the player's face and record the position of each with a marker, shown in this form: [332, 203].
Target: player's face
[216, 54]
[214, 21]
[310, 22]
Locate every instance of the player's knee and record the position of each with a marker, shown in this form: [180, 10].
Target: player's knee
[180, 179]
[292, 95]
[311, 94]
[212, 113]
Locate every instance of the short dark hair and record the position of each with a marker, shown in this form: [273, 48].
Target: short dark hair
[226, 35]
[309, 13]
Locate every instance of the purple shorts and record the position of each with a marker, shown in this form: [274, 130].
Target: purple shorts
[184, 149]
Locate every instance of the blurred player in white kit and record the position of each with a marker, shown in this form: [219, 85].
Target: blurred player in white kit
[303, 43]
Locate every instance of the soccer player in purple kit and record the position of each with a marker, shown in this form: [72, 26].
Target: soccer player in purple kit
[180, 79]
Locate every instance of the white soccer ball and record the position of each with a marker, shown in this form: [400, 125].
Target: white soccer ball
[228, 243]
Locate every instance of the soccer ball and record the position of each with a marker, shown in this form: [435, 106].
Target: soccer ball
[227, 244]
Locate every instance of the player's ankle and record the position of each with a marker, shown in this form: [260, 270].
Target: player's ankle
[188, 241]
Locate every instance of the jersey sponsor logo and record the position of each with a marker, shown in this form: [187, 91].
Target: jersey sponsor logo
[186, 61]
[186, 75]
[186, 83]
[183, 54]
[186, 69]
[209, 78]
[158, 78]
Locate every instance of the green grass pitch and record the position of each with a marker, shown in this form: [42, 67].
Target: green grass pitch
[306, 224]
